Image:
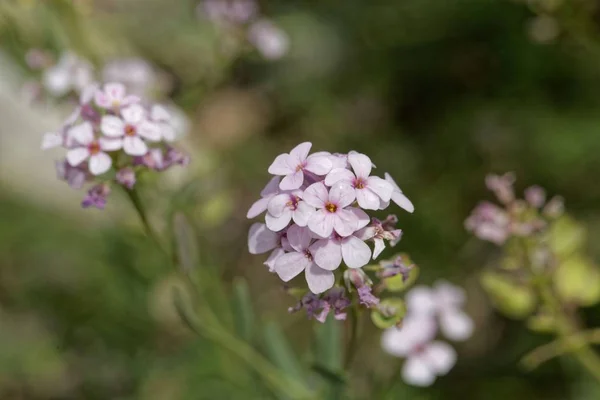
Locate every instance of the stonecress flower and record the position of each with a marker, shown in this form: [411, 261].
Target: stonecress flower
[114, 96]
[261, 240]
[291, 264]
[284, 207]
[379, 232]
[131, 129]
[398, 196]
[370, 191]
[294, 165]
[445, 302]
[426, 359]
[270, 191]
[331, 213]
[89, 148]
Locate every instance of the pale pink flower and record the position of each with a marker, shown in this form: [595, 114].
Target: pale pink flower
[293, 166]
[536, 196]
[287, 206]
[379, 232]
[329, 253]
[261, 240]
[425, 359]
[289, 265]
[489, 222]
[96, 196]
[398, 196]
[445, 302]
[371, 191]
[114, 96]
[502, 186]
[228, 11]
[131, 129]
[70, 73]
[74, 176]
[88, 147]
[162, 118]
[126, 177]
[270, 191]
[331, 213]
[270, 40]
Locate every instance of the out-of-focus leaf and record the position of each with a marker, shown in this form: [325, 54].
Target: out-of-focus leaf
[512, 299]
[328, 356]
[397, 283]
[542, 323]
[242, 309]
[577, 280]
[566, 237]
[388, 313]
[280, 352]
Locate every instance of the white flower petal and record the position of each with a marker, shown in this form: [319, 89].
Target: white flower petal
[292, 181]
[393, 342]
[167, 132]
[114, 90]
[149, 131]
[298, 238]
[344, 222]
[316, 195]
[379, 247]
[51, 140]
[273, 257]
[417, 372]
[327, 253]
[300, 152]
[57, 80]
[355, 252]
[99, 163]
[456, 325]
[318, 279]
[289, 265]
[421, 300]
[277, 224]
[363, 218]
[367, 199]
[380, 187]
[440, 357]
[258, 208]
[361, 164]
[341, 194]
[261, 239]
[318, 165]
[339, 174]
[278, 204]
[302, 213]
[82, 133]
[109, 144]
[272, 187]
[321, 223]
[77, 155]
[133, 114]
[280, 166]
[397, 197]
[112, 126]
[159, 113]
[449, 294]
[134, 146]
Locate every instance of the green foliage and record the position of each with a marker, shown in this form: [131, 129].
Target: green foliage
[388, 313]
[513, 299]
[577, 281]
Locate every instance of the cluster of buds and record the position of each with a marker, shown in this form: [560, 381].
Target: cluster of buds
[429, 310]
[316, 222]
[243, 18]
[111, 137]
[516, 217]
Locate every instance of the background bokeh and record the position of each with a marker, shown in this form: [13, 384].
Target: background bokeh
[438, 93]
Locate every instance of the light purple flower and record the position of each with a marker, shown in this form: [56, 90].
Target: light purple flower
[267, 194]
[262, 240]
[131, 129]
[443, 301]
[366, 297]
[114, 96]
[398, 196]
[70, 73]
[96, 196]
[229, 11]
[489, 222]
[126, 177]
[293, 166]
[555, 207]
[425, 359]
[91, 148]
[331, 213]
[74, 176]
[287, 206]
[329, 253]
[536, 196]
[270, 40]
[335, 299]
[379, 232]
[502, 186]
[289, 265]
[162, 118]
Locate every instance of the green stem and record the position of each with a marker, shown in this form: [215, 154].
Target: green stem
[559, 347]
[134, 197]
[351, 344]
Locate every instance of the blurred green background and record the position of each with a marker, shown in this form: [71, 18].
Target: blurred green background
[437, 92]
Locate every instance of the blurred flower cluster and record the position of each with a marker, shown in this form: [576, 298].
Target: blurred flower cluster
[316, 222]
[111, 137]
[428, 309]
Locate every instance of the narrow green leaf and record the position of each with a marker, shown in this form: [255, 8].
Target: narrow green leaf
[242, 309]
[280, 351]
[328, 346]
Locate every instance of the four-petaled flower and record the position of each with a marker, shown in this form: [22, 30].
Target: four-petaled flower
[131, 128]
[114, 96]
[287, 206]
[331, 213]
[89, 147]
[293, 166]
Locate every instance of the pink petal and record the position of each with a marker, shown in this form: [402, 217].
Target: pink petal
[271, 188]
[299, 238]
[456, 325]
[420, 300]
[107, 144]
[77, 155]
[277, 224]
[417, 372]
[300, 152]
[258, 207]
[133, 114]
[363, 218]
[403, 201]
[393, 341]
[159, 113]
[115, 91]
[149, 131]
[302, 213]
[440, 356]
[327, 253]
[365, 233]
[289, 265]
[367, 199]
[379, 247]
[355, 252]
[292, 181]
[321, 223]
[261, 239]
[112, 126]
[341, 194]
[280, 166]
[167, 132]
[273, 257]
[102, 99]
[278, 204]
[361, 164]
[344, 222]
[100, 163]
[319, 165]
[449, 294]
[131, 99]
[88, 93]
[316, 195]
[339, 174]
[51, 140]
[318, 279]
[380, 187]
[82, 133]
[134, 146]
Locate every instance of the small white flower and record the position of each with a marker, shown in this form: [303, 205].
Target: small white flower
[131, 128]
[88, 147]
[70, 73]
[425, 359]
[162, 118]
[113, 96]
[270, 40]
[445, 301]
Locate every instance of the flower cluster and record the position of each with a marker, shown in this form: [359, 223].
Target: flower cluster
[496, 224]
[428, 309]
[316, 221]
[243, 16]
[112, 136]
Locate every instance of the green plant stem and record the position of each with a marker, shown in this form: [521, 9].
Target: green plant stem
[351, 344]
[559, 347]
[566, 329]
[134, 197]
